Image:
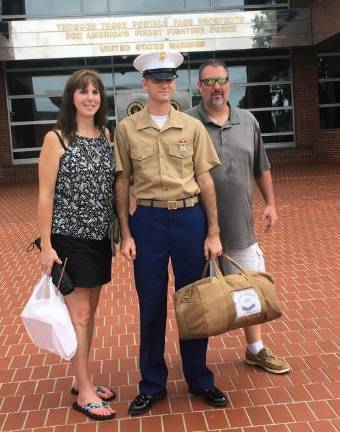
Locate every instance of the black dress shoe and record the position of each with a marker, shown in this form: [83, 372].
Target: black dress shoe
[212, 396]
[143, 403]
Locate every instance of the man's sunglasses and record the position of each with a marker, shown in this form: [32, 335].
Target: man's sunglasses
[210, 82]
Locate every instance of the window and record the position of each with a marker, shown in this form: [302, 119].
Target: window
[64, 8]
[27, 141]
[145, 6]
[261, 71]
[182, 82]
[13, 7]
[28, 137]
[48, 82]
[272, 95]
[126, 78]
[272, 3]
[259, 84]
[262, 86]
[274, 121]
[37, 83]
[197, 4]
[330, 117]
[35, 92]
[152, 6]
[274, 140]
[34, 98]
[34, 109]
[52, 8]
[329, 66]
[224, 4]
[97, 7]
[329, 90]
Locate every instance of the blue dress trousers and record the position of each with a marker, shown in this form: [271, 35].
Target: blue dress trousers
[161, 234]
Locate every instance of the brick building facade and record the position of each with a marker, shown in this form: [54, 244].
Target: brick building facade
[326, 37]
[310, 139]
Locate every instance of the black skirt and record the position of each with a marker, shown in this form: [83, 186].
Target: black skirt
[88, 261]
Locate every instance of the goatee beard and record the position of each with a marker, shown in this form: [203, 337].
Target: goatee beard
[219, 102]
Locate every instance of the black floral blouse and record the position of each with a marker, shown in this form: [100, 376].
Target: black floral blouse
[83, 203]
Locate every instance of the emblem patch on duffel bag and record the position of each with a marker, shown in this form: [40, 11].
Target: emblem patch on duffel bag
[246, 302]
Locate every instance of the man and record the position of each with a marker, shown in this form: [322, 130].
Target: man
[167, 155]
[237, 139]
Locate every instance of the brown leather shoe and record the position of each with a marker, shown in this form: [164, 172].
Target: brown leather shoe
[268, 361]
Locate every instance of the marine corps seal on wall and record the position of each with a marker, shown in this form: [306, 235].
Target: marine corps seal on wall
[134, 107]
[176, 105]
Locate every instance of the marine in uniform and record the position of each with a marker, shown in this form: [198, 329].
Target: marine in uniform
[167, 155]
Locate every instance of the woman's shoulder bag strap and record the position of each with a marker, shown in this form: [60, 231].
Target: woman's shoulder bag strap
[60, 139]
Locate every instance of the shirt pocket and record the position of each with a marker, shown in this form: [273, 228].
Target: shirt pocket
[181, 160]
[141, 153]
[142, 158]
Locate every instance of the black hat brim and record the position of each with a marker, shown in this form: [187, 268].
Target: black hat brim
[161, 74]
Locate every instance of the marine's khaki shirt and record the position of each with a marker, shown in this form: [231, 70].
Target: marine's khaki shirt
[116, 158]
[164, 163]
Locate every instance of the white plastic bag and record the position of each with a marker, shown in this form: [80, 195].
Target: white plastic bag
[47, 320]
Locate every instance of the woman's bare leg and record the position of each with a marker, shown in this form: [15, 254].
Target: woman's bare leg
[79, 306]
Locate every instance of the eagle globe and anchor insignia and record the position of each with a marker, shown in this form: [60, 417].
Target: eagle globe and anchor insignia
[134, 107]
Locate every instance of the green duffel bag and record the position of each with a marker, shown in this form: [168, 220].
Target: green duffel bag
[216, 304]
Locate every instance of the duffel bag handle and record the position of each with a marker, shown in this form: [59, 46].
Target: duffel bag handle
[207, 267]
[218, 272]
[219, 269]
[237, 265]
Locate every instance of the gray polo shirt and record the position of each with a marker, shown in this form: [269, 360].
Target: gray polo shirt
[241, 151]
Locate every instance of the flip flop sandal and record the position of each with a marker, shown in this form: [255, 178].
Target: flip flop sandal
[99, 389]
[85, 409]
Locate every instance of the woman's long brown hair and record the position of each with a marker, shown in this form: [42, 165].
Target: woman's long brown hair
[67, 115]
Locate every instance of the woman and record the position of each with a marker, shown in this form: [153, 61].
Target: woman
[76, 174]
